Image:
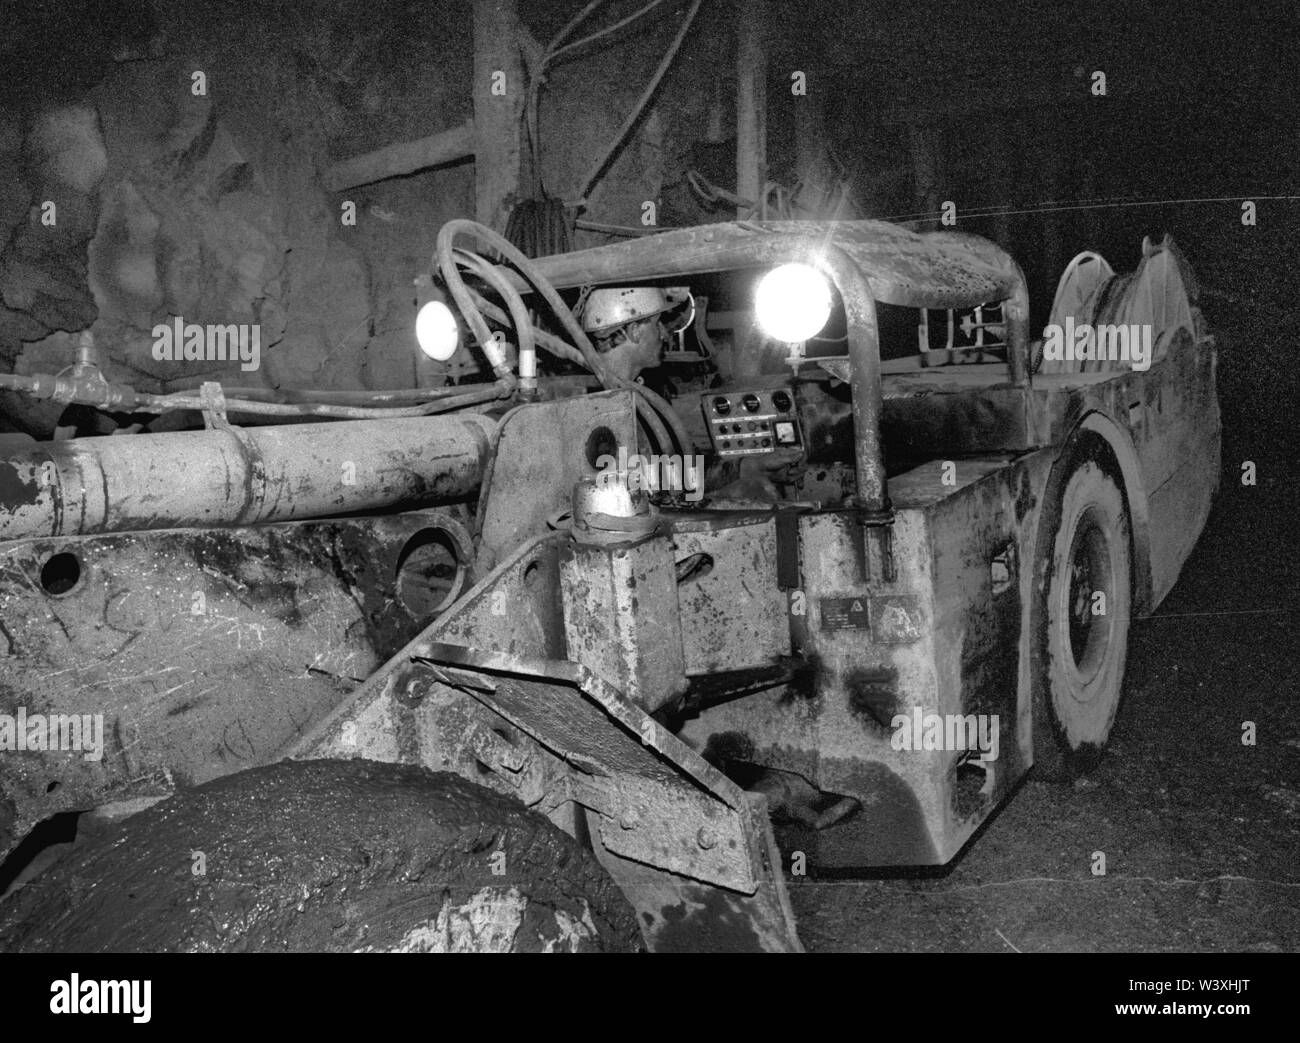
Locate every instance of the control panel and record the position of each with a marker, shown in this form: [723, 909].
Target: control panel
[743, 423]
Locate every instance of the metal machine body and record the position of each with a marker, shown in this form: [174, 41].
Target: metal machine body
[621, 672]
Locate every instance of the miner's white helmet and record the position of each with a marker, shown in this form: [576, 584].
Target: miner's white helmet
[615, 306]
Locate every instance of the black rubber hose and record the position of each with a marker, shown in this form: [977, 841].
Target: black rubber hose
[557, 346]
[519, 316]
[514, 302]
[147, 403]
[446, 264]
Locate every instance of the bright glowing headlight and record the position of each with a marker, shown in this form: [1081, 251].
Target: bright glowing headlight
[436, 331]
[792, 302]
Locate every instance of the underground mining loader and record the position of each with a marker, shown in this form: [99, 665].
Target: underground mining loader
[588, 655]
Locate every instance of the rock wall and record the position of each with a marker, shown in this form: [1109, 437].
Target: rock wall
[185, 181]
[183, 152]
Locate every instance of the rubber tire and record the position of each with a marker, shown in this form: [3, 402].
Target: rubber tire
[325, 856]
[1073, 715]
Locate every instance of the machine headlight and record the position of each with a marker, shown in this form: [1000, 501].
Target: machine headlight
[792, 302]
[436, 331]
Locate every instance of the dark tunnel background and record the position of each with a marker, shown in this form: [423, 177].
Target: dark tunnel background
[219, 210]
[988, 106]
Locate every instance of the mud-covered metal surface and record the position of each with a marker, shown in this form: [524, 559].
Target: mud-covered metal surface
[655, 802]
[678, 914]
[540, 452]
[660, 801]
[621, 617]
[187, 654]
[819, 628]
[941, 638]
[734, 614]
[939, 270]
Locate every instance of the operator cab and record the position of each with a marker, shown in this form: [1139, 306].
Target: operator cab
[758, 404]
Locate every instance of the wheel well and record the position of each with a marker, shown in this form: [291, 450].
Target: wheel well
[1098, 438]
[1114, 450]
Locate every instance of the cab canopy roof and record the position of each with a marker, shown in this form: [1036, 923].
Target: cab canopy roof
[930, 269]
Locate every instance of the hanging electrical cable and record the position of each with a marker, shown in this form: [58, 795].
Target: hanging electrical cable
[554, 52]
[542, 224]
[573, 24]
[598, 168]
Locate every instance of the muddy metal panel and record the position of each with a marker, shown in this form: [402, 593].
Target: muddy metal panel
[922, 419]
[733, 612]
[701, 599]
[1167, 420]
[1172, 415]
[1163, 424]
[681, 915]
[870, 645]
[982, 540]
[621, 617]
[658, 808]
[202, 652]
[943, 638]
[937, 270]
[542, 450]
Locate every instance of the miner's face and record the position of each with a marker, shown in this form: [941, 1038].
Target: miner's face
[630, 349]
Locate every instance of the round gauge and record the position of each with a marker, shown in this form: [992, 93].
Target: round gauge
[751, 403]
[721, 406]
[782, 402]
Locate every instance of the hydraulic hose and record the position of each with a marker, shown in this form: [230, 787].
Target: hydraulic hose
[545, 339]
[445, 260]
[124, 399]
[523, 323]
[290, 396]
[451, 276]
[166, 403]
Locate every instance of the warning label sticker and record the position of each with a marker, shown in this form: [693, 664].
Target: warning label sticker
[845, 614]
[893, 619]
